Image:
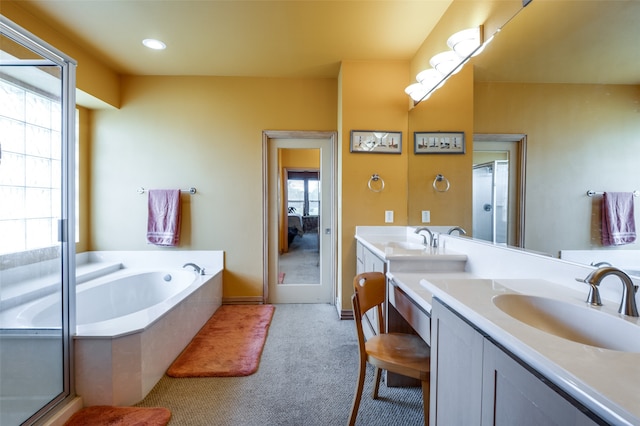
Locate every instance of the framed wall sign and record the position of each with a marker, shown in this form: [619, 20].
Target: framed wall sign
[376, 141]
[438, 142]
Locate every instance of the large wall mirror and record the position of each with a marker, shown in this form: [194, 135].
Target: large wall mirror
[567, 75]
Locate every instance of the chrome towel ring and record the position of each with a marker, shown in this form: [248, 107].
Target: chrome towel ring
[376, 178]
[440, 187]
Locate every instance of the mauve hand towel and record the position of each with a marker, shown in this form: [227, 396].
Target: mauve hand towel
[163, 222]
[618, 220]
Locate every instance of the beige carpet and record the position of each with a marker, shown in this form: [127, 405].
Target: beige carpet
[228, 345]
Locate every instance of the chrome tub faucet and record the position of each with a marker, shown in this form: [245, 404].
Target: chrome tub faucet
[195, 267]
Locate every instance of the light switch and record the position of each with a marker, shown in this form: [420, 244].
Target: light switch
[426, 216]
[388, 216]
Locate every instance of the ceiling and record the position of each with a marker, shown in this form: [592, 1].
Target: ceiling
[567, 41]
[552, 41]
[293, 38]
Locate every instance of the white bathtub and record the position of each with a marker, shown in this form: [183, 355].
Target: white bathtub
[132, 323]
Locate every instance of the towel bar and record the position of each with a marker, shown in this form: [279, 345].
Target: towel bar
[191, 190]
[591, 193]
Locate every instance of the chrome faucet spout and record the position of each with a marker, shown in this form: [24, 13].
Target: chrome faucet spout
[628, 303]
[460, 230]
[195, 267]
[433, 240]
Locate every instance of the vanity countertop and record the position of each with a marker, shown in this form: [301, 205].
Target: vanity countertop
[606, 381]
[400, 242]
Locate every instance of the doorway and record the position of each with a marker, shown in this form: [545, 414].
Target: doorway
[510, 150]
[300, 217]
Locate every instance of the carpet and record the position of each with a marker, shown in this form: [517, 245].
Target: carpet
[104, 415]
[228, 345]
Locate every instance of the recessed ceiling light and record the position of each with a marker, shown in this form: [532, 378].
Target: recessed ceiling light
[154, 44]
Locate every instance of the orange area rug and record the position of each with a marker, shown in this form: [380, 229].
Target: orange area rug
[103, 415]
[228, 345]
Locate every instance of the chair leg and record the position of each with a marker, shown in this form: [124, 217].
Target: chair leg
[426, 399]
[376, 382]
[358, 395]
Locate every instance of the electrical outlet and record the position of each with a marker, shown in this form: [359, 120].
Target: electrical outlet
[426, 216]
[388, 216]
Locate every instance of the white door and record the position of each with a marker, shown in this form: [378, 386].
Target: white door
[279, 288]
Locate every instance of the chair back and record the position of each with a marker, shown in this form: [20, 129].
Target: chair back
[369, 293]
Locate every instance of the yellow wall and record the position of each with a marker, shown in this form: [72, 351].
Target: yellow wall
[449, 109]
[372, 98]
[579, 137]
[205, 132]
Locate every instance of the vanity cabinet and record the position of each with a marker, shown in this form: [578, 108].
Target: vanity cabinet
[473, 381]
[367, 261]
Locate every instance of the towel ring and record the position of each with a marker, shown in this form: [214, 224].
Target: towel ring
[375, 178]
[441, 178]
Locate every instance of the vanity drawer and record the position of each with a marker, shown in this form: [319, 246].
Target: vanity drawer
[413, 314]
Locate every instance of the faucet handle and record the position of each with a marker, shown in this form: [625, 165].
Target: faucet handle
[593, 298]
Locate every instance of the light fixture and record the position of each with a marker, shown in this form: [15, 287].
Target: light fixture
[154, 44]
[417, 91]
[465, 42]
[446, 62]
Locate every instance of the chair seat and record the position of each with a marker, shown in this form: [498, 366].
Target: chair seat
[405, 354]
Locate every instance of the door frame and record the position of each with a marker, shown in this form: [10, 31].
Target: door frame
[521, 141]
[332, 220]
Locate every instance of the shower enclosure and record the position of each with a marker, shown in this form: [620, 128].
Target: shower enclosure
[490, 201]
[37, 243]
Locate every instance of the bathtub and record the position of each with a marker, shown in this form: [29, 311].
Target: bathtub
[134, 321]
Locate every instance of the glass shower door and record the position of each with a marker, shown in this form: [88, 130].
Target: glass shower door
[34, 250]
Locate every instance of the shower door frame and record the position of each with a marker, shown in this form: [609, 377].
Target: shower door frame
[66, 225]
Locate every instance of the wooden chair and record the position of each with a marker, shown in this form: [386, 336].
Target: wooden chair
[399, 353]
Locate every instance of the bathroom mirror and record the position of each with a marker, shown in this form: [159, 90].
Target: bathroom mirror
[567, 75]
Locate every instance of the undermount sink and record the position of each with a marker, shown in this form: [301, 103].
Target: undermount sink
[580, 324]
[404, 245]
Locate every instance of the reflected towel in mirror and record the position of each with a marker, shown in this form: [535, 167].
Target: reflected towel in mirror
[618, 220]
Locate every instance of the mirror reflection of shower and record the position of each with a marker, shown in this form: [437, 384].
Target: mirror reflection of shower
[299, 258]
[491, 200]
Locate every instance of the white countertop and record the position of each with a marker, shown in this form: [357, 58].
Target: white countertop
[606, 381]
[400, 242]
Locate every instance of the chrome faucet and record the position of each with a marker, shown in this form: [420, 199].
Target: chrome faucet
[195, 267]
[460, 230]
[599, 264]
[628, 303]
[433, 240]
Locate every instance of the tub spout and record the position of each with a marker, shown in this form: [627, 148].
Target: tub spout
[195, 267]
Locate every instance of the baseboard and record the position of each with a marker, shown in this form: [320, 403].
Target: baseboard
[346, 314]
[63, 414]
[248, 300]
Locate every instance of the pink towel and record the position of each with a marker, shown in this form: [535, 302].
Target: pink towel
[618, 221]
[163, 222]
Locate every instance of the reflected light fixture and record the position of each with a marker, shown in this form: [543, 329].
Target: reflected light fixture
[465, 42]
[154, 44]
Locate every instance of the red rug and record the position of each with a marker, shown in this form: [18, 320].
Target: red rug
[228, 345]
[103, 415]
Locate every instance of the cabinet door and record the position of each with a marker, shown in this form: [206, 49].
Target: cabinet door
[456, 369]
[373, 263]
[515, 396]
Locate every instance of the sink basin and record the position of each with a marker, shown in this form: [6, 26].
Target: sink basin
[404, 245]
[580, 324]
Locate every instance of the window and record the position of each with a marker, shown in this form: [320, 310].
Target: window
[303, 192]
[30, 168]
